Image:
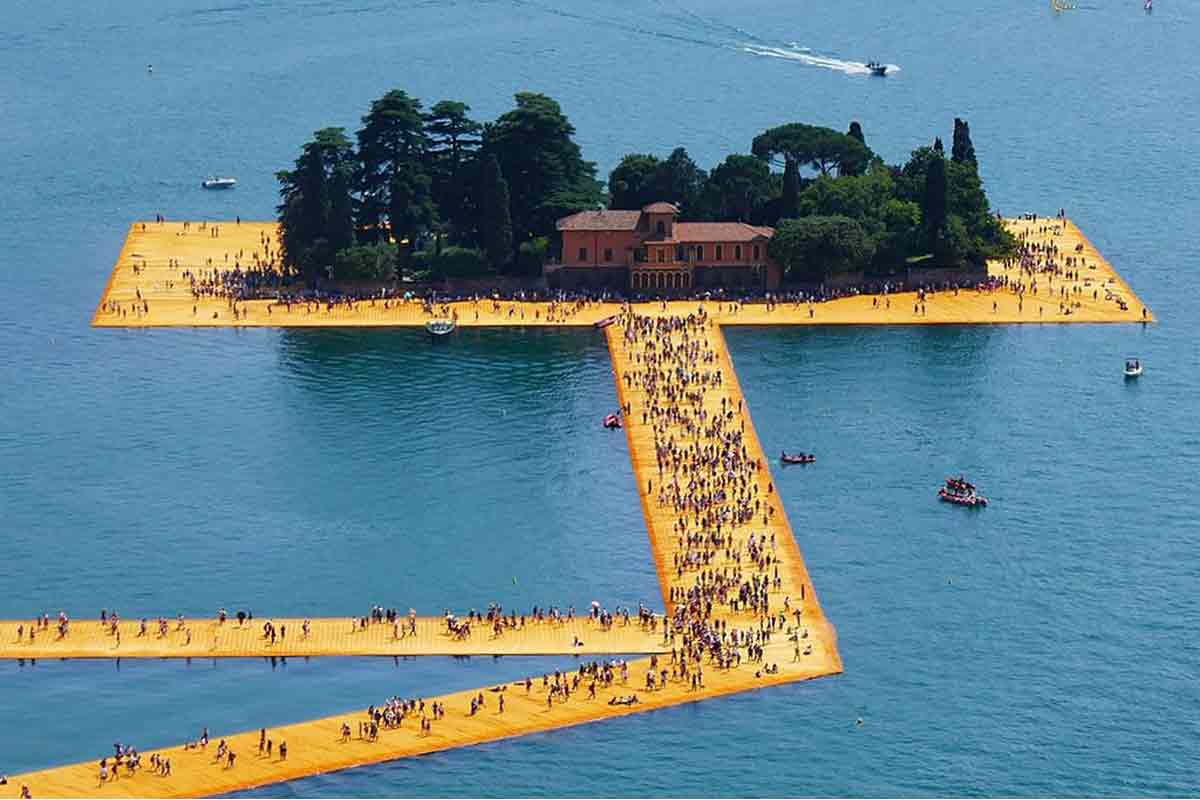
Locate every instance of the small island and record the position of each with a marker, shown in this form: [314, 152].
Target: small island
[428, 213]
[437, 196]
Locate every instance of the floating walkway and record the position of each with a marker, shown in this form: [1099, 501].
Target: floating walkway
[327, 637]
[803, 645]
[150, 287]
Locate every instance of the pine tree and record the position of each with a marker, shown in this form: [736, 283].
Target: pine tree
[392, 145]
[316, 211]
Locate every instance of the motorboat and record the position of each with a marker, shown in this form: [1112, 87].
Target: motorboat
[970, 500]
[212, 182]
[797, 458]
[877, 68]
[1133, 367]
[440, 327]
[612, 421]
[961, 492]
[604, 323]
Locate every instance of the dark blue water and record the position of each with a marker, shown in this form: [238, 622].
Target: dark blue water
[1042, 647]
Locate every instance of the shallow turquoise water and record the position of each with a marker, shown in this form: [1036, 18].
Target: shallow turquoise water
[1042, 647]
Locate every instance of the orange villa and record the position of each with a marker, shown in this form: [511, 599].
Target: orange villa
[651, 251]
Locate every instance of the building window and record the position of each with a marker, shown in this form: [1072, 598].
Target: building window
[756, 252]
[699, 252]
[660, 227]
[720, 252]
[583, 254]
[662, 255]
[608, 254]
[680, 253]
[737, 252]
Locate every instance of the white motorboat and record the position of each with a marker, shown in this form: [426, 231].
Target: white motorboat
[212, 182]
[877, 69]
[1133, 367]
[440, 327]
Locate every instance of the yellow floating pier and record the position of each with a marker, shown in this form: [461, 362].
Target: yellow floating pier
[149, 287]
[781, 636]
[803, 646]
[326, 637]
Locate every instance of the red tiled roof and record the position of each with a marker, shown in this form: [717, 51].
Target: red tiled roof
[660, 208]
[600, 221]
[720, 232]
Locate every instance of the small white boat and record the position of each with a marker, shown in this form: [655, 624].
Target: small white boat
[439, 327]
[218, 183]
[1133, 367]
[877, 68]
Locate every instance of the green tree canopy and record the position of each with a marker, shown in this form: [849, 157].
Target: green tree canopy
[962, 150]
[393, 182]
[678, 180]
[965, 209]
[495, 223]
[539, 158]
[737, 188]
[373, 262]
[633, 184]
[454, 140]
[812, 249]
[316, 211]
[824, 149]
[933, 205]
[871, 199]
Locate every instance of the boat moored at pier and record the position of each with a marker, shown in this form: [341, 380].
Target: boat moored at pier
[438, 328]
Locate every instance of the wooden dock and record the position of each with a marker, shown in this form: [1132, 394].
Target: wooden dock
[803, 646]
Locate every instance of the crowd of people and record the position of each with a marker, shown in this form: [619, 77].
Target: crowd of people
[242, 276]
[725, 563]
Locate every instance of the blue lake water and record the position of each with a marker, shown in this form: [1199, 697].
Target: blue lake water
[1042, 647]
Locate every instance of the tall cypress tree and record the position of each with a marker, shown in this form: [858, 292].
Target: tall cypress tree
[496, 219]
[962, 150]
[791, 188]
[933, 207]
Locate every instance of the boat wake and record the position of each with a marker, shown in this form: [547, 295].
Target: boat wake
[804, 55]
[685, 25]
